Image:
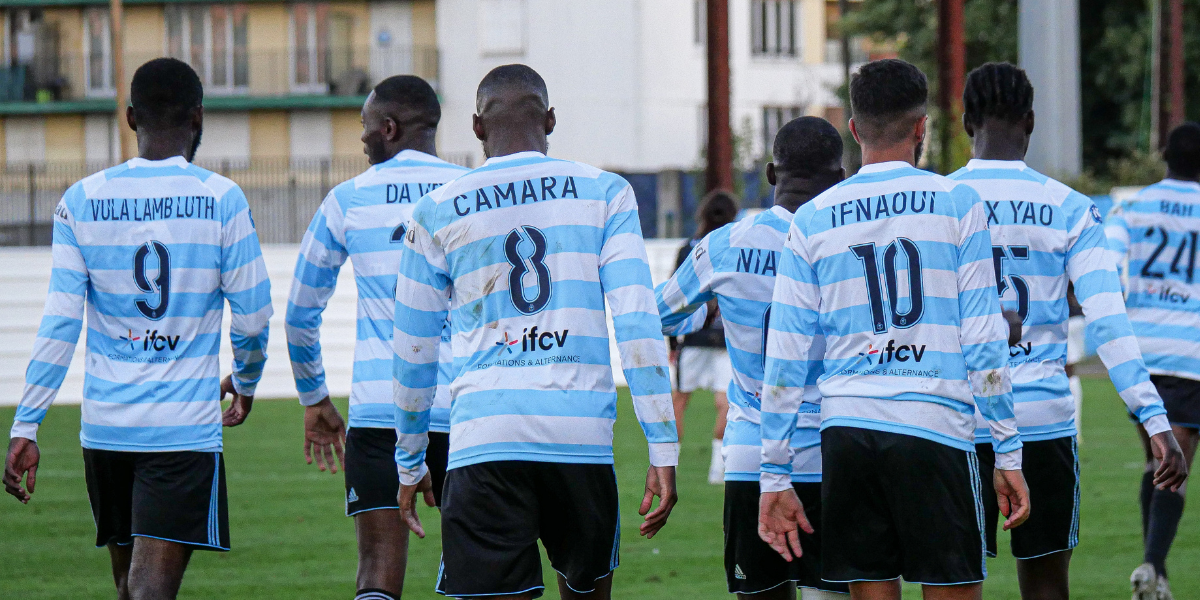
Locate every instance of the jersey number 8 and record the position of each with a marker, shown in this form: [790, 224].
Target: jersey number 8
[521, 266]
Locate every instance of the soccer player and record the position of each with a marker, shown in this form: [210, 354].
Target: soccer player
[1046, 236]
[894, 268]
[530, 249]
[1155, 233]
[363, 219]
[736, 265]
[152, 249]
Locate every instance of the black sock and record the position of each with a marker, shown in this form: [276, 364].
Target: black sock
[1166, 509]
[1147, 493]
[374, 594]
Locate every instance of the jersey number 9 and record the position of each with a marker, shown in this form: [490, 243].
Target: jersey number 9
[160, 284]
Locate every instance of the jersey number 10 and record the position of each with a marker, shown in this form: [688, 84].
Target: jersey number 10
[916, 293]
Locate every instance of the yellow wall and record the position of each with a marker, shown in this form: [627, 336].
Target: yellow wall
[269, 134]
[64, 138]
[347, 132]
[69, 24]
[424, 23]
[813, 30]
[145, 33]
[361, 31]
[267, 43]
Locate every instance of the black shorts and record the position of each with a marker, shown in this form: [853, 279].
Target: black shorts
[898, 505]
[174, 496]
[1182, 399]
[751, 566]
[495, 513]
[1051, 469]
[372, 482]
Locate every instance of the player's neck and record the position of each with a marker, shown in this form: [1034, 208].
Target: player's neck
[993, 144]
[897, 153]
[792, 193]
[1177, 177]
[504, 145]
[163, 146]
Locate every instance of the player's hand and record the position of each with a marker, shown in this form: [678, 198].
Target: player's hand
[1014, 327]
[780, 519]
[239, 409]
[408, 507]
[1172, 469]
[660, 481]
[325, 430]
[673, 357]
[21, 463]
[1012, 495]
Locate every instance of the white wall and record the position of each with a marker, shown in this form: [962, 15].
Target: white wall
[25, 278]
[100, 139]
[311, 133]
[391, 28]
[24, 140]
[226, 136]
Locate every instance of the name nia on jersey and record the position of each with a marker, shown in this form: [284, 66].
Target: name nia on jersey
[757, 261]
[532, 190]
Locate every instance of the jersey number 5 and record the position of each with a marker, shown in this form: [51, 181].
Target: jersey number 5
[160, 284]
[916, 292]
[999, 255]
[521, 266]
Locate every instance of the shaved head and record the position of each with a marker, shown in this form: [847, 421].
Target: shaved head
[512, 110]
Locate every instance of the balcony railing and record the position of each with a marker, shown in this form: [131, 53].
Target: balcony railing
[346, 71]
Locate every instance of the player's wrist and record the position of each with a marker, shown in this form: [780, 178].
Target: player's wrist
[314, 397]
[243, 389]
[664, 455]
[1156, 425]
[774, 482]
[1009, 461]
[23, 429]
[411, 477]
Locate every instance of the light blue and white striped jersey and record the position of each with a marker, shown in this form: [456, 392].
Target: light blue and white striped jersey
[1044, 236]
[894, 267]
[363, 219]
[529, 248]
[153, 249]
[736, 264]
[1154, 236]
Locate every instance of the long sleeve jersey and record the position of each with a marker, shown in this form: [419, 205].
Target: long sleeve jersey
[152, 250]
[529, 249]
[1044, 236]
[894, 267]
[1155, 234]
[363, 219]
[736, 265]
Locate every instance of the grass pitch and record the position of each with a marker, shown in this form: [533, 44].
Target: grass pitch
[291, 540]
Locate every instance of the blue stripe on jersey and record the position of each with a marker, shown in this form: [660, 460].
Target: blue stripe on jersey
[529, 249]
[1155, 236]
[736, 265]
[1046, 235]
[894, 267]
[153, 249]
[362, 219]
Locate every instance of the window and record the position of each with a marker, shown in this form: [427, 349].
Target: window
[773, 27]
[501, 27]
[212, 39]
[310, 48]
[774, 118]
[699, 22]
[97, 53]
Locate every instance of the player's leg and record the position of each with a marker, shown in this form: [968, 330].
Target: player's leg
[688, 372]
[970, 591]
[1166, 508]
[579, 523]
[437, 457]
[382, 536]
[753, 570]
[1045, 577]
[680, 401]
[121, 556]
[875, 590]
[156, 571]
[490, 531]
[721, 401]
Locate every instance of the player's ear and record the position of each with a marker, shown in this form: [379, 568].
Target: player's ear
[854, 131]
[391, 129]
[967, 126]
[129, 118]
[197, 118]
[551, 121]
[919, 130]
[1029, 122]
[771, 173]
[477, 127]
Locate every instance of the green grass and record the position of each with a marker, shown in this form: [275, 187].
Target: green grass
[291, 540]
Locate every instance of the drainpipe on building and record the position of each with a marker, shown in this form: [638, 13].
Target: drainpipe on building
[719, 171]
[117, 24]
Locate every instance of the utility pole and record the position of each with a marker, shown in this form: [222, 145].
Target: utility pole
[1156, 73]
[117, 33]
[719, 171]
[1175, 112]
[952, 66]
[1049, 50]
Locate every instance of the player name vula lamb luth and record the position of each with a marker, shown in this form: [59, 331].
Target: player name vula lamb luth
[154, 209]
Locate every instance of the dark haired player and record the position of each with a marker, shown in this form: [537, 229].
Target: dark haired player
[893, 267]
[736, 265]
[1155, 236]
[152, 249]
[1045, 236]
[531, 250]
[364, 219]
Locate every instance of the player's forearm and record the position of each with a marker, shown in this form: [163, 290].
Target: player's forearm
[644, 363]
[304, 353]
